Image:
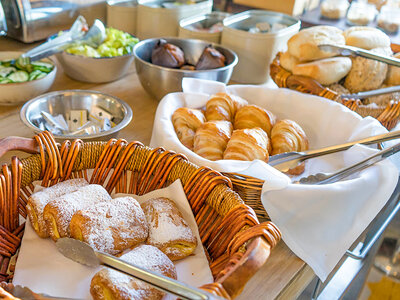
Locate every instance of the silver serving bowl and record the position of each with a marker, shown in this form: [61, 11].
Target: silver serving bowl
[159, 81]
[62, 102]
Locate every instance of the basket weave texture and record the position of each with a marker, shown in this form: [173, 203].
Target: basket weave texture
[388, 115]
[236, 243]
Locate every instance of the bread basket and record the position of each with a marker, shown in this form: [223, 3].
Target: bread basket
[237, 244]
[388, 115]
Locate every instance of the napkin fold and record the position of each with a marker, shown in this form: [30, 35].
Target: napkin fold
[45, 270]
[319, 223]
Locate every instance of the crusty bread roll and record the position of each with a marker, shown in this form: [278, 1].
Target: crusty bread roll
[288, 61]
[393, 75]
[304, 44]
[325, 71]
[366, 37]
[366, 74]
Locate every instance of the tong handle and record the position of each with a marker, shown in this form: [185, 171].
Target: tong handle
[161, 282]
[363, 95]
[382, 58]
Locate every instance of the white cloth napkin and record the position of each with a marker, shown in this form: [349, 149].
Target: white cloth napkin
[319, 223]
[44, 270]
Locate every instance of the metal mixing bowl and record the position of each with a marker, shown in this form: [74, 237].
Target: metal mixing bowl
[62, 102]
[159, 81]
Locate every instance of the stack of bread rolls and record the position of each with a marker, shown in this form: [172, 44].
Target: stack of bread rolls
[342, 74]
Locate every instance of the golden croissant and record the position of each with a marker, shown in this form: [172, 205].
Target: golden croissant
[211, 139]
[288, 136]
[222, 106]
[248, 144]
[251, 116]
[186, 121]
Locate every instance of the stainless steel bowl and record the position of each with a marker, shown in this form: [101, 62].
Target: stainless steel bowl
[61, 102]
[159, 81]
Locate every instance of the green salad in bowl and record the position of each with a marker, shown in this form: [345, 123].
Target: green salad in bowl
[116, 43]
[12, 71]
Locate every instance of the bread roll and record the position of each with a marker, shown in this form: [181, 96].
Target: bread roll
[37, 201]
[111, 226]
[288, 61]
[248, 144]
[115, 285]
[168, 230]
[366, 74]
[366, 37]
[325, 71]
[393, 75]
[186, 121]
[211, 139]
[222, 107]
[251, 116]
[304, 44]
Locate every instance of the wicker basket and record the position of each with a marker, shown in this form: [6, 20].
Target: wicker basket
[236, 243]
[388, 115]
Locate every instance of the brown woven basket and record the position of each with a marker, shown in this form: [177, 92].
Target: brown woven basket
[388, 115]
[236, 243]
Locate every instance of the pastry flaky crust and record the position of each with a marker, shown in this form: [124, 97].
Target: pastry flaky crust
[248, 144]
[252, 116]
[58, 213]
[168, 230]
[108, 284]
[288, 136]
[222, 107]
[211, 138]
[111, 226]
[39, 200]
[186, 121]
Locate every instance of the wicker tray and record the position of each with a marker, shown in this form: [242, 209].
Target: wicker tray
[236, 243]
[388, 115]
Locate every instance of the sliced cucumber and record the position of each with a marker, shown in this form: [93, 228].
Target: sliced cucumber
[5, 80]
[42, 64]
[19, 76]
[36, 75]
[4, 71]
[23, 63]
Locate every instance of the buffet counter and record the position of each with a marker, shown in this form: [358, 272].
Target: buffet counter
[284, 276]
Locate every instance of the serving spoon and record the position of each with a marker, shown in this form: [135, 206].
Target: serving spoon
[285, 161]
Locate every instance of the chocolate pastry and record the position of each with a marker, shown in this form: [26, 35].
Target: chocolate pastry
[211, 58]
[167, 55]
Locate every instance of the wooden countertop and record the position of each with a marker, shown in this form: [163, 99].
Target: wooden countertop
[284, 276]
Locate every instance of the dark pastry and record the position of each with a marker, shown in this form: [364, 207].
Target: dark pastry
[211, 58]
[167, 55]
[188, 67]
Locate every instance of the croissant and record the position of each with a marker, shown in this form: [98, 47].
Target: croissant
[186, 121]
[248, 144]
[288, 136]
[211, 139]
[251, 116]
[222, 106]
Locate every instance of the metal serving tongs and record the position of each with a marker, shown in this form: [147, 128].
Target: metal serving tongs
[77, 33]
[84, 254]
[325, 178]
[349, 50]
[285, 161]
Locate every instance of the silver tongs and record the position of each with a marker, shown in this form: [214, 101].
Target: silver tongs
[285, 161]
[325, 178]
[372, 93]
[84, 254]
[350, 50]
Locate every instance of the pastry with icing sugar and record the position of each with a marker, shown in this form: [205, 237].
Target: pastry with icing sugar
[168, 230]
[111, 226]
[58, 213]
[37, 201]
[111, 284]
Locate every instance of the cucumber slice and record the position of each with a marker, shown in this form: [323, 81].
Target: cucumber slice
[23, 63]
[36, 75]
[42, 64]
[5, 80]
[19, 76]
[4, 71]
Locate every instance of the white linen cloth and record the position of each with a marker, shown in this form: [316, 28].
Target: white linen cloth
[318, 223]
[45, 270]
